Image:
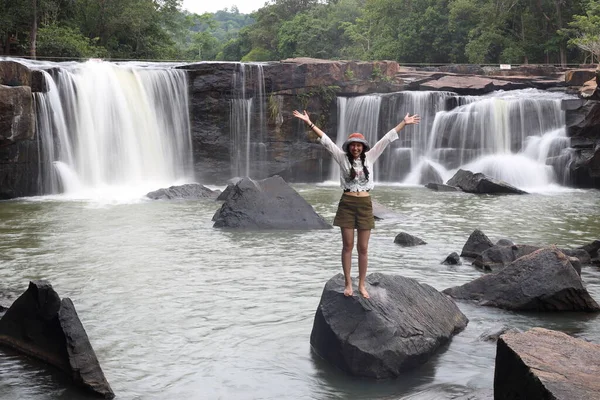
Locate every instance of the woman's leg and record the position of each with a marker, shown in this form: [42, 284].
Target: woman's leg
[347, 246]
[363, 259]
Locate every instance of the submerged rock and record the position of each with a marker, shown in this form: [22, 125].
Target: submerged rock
[476, 244]
[407, 240]
[544, 280]
[592, 248]
[452, 259]
[440, 187]
[43, 326]
[481, 184]
[190, 191]
[398, 328]
[267, 204]
[546, 364]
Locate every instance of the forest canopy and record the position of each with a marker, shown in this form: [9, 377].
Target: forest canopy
[408, 31]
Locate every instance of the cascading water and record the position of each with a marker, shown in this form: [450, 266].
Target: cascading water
[516, 136]
[356, 114]
[113, 126]
[500, 135]
[247, 121]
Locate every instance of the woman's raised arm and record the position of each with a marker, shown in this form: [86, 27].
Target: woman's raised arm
[304, 117]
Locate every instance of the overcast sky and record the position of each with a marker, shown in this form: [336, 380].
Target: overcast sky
[202, 6]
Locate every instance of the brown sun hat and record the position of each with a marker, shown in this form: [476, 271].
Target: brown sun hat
[356, 137]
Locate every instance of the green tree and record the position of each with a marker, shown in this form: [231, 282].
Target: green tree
[65, 42]
[586, 30]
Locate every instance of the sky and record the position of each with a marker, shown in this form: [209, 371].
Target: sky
[202, 6]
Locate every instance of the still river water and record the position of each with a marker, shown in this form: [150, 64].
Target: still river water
[178, 310]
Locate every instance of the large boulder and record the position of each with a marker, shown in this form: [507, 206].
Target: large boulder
[43, 326]
[476, 244]
[545, 364]
[398, 328]
[544, 280]
[189, 191]
[267, 204]
[578, 77]
[481, 184]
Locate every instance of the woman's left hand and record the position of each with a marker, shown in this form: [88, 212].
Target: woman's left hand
[410, 120]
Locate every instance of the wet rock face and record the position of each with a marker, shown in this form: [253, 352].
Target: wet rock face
[583, 127]
[398, 328]
[41, 325]
[544, 280]
[19, 170]
[266, 204]
[546, 364]
[17, 120]
[290, 84]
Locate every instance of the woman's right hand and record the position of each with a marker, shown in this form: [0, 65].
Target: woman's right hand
[303, 116]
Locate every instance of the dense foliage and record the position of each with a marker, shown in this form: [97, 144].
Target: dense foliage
[409, 31]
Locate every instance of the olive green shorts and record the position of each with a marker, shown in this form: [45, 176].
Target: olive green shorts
[355, 212]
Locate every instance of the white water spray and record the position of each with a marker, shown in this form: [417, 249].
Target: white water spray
[108, 126]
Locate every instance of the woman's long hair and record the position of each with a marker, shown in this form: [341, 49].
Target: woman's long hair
[352, 171]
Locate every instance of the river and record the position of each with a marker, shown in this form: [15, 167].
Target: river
[177, 309]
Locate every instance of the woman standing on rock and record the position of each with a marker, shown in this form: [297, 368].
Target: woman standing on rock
[355, 210]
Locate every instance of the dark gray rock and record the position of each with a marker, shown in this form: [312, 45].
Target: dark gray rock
[545, 364]
[226, 193]
[17, 119]
[476, 244]
[583, 125]
[481, 184]
[42, 326]
[387, 334]
[189, 191]
[407, 240]
[267, 204]
[497, 257]
[504, 242]
[544, 280]
[581, 254]
[430, 174]
[452, 259]
[592, 248]
[440, 187]
[19, 170]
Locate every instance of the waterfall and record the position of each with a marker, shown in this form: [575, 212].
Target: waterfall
[356, 114]
[248, 121]
[103, 125]
[517, 136]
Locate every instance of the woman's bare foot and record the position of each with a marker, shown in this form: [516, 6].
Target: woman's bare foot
[363, 292]
[348, 291]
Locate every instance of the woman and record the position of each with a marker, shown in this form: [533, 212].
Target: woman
[355, 211]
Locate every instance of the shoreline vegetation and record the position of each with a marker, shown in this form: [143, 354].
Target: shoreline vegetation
[423, 32]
